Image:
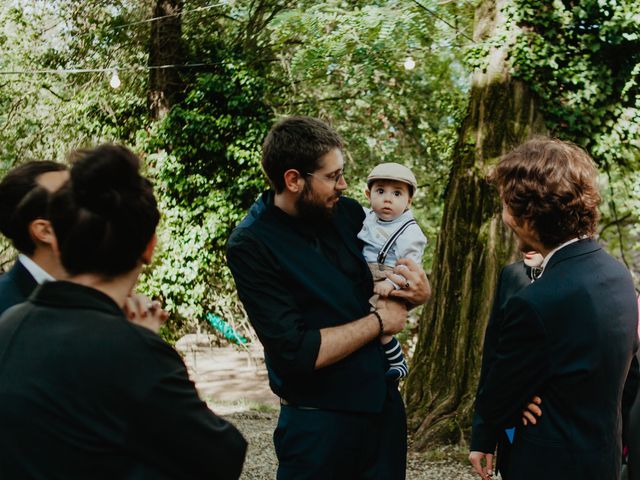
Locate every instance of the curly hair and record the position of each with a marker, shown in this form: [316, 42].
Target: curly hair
[552, 184]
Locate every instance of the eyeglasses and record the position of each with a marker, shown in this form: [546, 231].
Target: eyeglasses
[332, 177]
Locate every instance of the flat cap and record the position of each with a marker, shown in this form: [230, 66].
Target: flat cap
[392, 171]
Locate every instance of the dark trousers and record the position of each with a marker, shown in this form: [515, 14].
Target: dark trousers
[332, 445]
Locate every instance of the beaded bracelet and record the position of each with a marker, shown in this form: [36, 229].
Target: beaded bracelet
[380, 322]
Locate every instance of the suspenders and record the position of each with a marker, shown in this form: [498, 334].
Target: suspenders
[392, 239]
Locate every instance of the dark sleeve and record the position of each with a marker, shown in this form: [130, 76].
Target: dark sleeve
[521, 366]
[175, 432]
[483, 437]
[629, 395]
[291, 347]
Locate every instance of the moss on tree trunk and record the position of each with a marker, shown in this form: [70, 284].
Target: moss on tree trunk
[472, 247]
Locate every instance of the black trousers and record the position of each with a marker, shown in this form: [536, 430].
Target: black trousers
[332, 445]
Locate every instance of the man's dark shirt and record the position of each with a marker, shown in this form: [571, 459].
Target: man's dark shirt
[86, 394]
[280, 294]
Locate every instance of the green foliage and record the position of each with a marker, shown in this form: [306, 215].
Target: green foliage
[583, 59]
[44, 115]
[206, 166]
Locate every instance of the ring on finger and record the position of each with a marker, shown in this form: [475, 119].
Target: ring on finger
[407, 284]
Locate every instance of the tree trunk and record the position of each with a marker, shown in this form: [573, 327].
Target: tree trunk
[165, 48]
[472, 247]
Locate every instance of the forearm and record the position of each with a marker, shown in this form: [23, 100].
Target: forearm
[339, 342]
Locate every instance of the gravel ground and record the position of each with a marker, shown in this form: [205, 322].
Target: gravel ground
[234, 384]
[261, 464]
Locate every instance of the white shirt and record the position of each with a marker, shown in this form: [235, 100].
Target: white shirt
[376, 232]
[36, 271]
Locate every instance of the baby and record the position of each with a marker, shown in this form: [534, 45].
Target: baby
[389, 232]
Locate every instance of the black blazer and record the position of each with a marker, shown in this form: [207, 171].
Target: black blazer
[15, 286]
[484, 438]
[86, 394]
[569, 337]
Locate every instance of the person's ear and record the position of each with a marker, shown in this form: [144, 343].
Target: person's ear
[147, 255]
[367, 193]
[293, 180]
[41, 232]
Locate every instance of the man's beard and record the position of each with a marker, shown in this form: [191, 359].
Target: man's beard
[311, 211]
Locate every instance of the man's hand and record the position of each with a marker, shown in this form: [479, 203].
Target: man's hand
[476, 462]
[414, 285]
[144, 312]
[532, 411]
[393, 314]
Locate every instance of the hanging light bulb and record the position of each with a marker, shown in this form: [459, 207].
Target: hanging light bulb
[115, 80]
[409, 63]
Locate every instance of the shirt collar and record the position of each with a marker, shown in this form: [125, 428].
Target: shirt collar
[550, 254]
[406, 215]
[36, 271]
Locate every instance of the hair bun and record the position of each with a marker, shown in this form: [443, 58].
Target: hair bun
[106, 215]
[103, 203]
[104, 178]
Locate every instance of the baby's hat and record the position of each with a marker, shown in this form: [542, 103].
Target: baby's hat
[392, 171]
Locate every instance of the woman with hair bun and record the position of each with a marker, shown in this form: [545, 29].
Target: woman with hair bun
[84, 392]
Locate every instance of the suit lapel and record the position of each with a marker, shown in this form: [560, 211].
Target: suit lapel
[23, 279]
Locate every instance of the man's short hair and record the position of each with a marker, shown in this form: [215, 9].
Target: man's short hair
[553, 185]
[22, 201]
[296, 143]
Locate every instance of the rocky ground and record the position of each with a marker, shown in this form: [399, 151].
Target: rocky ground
[234, 383]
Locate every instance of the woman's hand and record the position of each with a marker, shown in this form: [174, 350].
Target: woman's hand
[145, 312]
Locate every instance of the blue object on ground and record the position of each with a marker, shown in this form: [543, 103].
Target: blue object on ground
[225, 329]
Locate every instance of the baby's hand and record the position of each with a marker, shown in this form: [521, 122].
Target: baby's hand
[383, 288]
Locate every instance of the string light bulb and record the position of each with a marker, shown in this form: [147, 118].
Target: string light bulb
[409, 63]
[115, 80]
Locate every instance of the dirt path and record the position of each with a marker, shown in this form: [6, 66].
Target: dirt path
[229, 380]
[235, 385]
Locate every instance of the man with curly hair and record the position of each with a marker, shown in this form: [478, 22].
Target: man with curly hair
[569, 337]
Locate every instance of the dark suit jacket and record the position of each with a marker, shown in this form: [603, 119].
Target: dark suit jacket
[484, 438]
[85, 394]
[15, 286]
[569, 337]
[633, 434]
